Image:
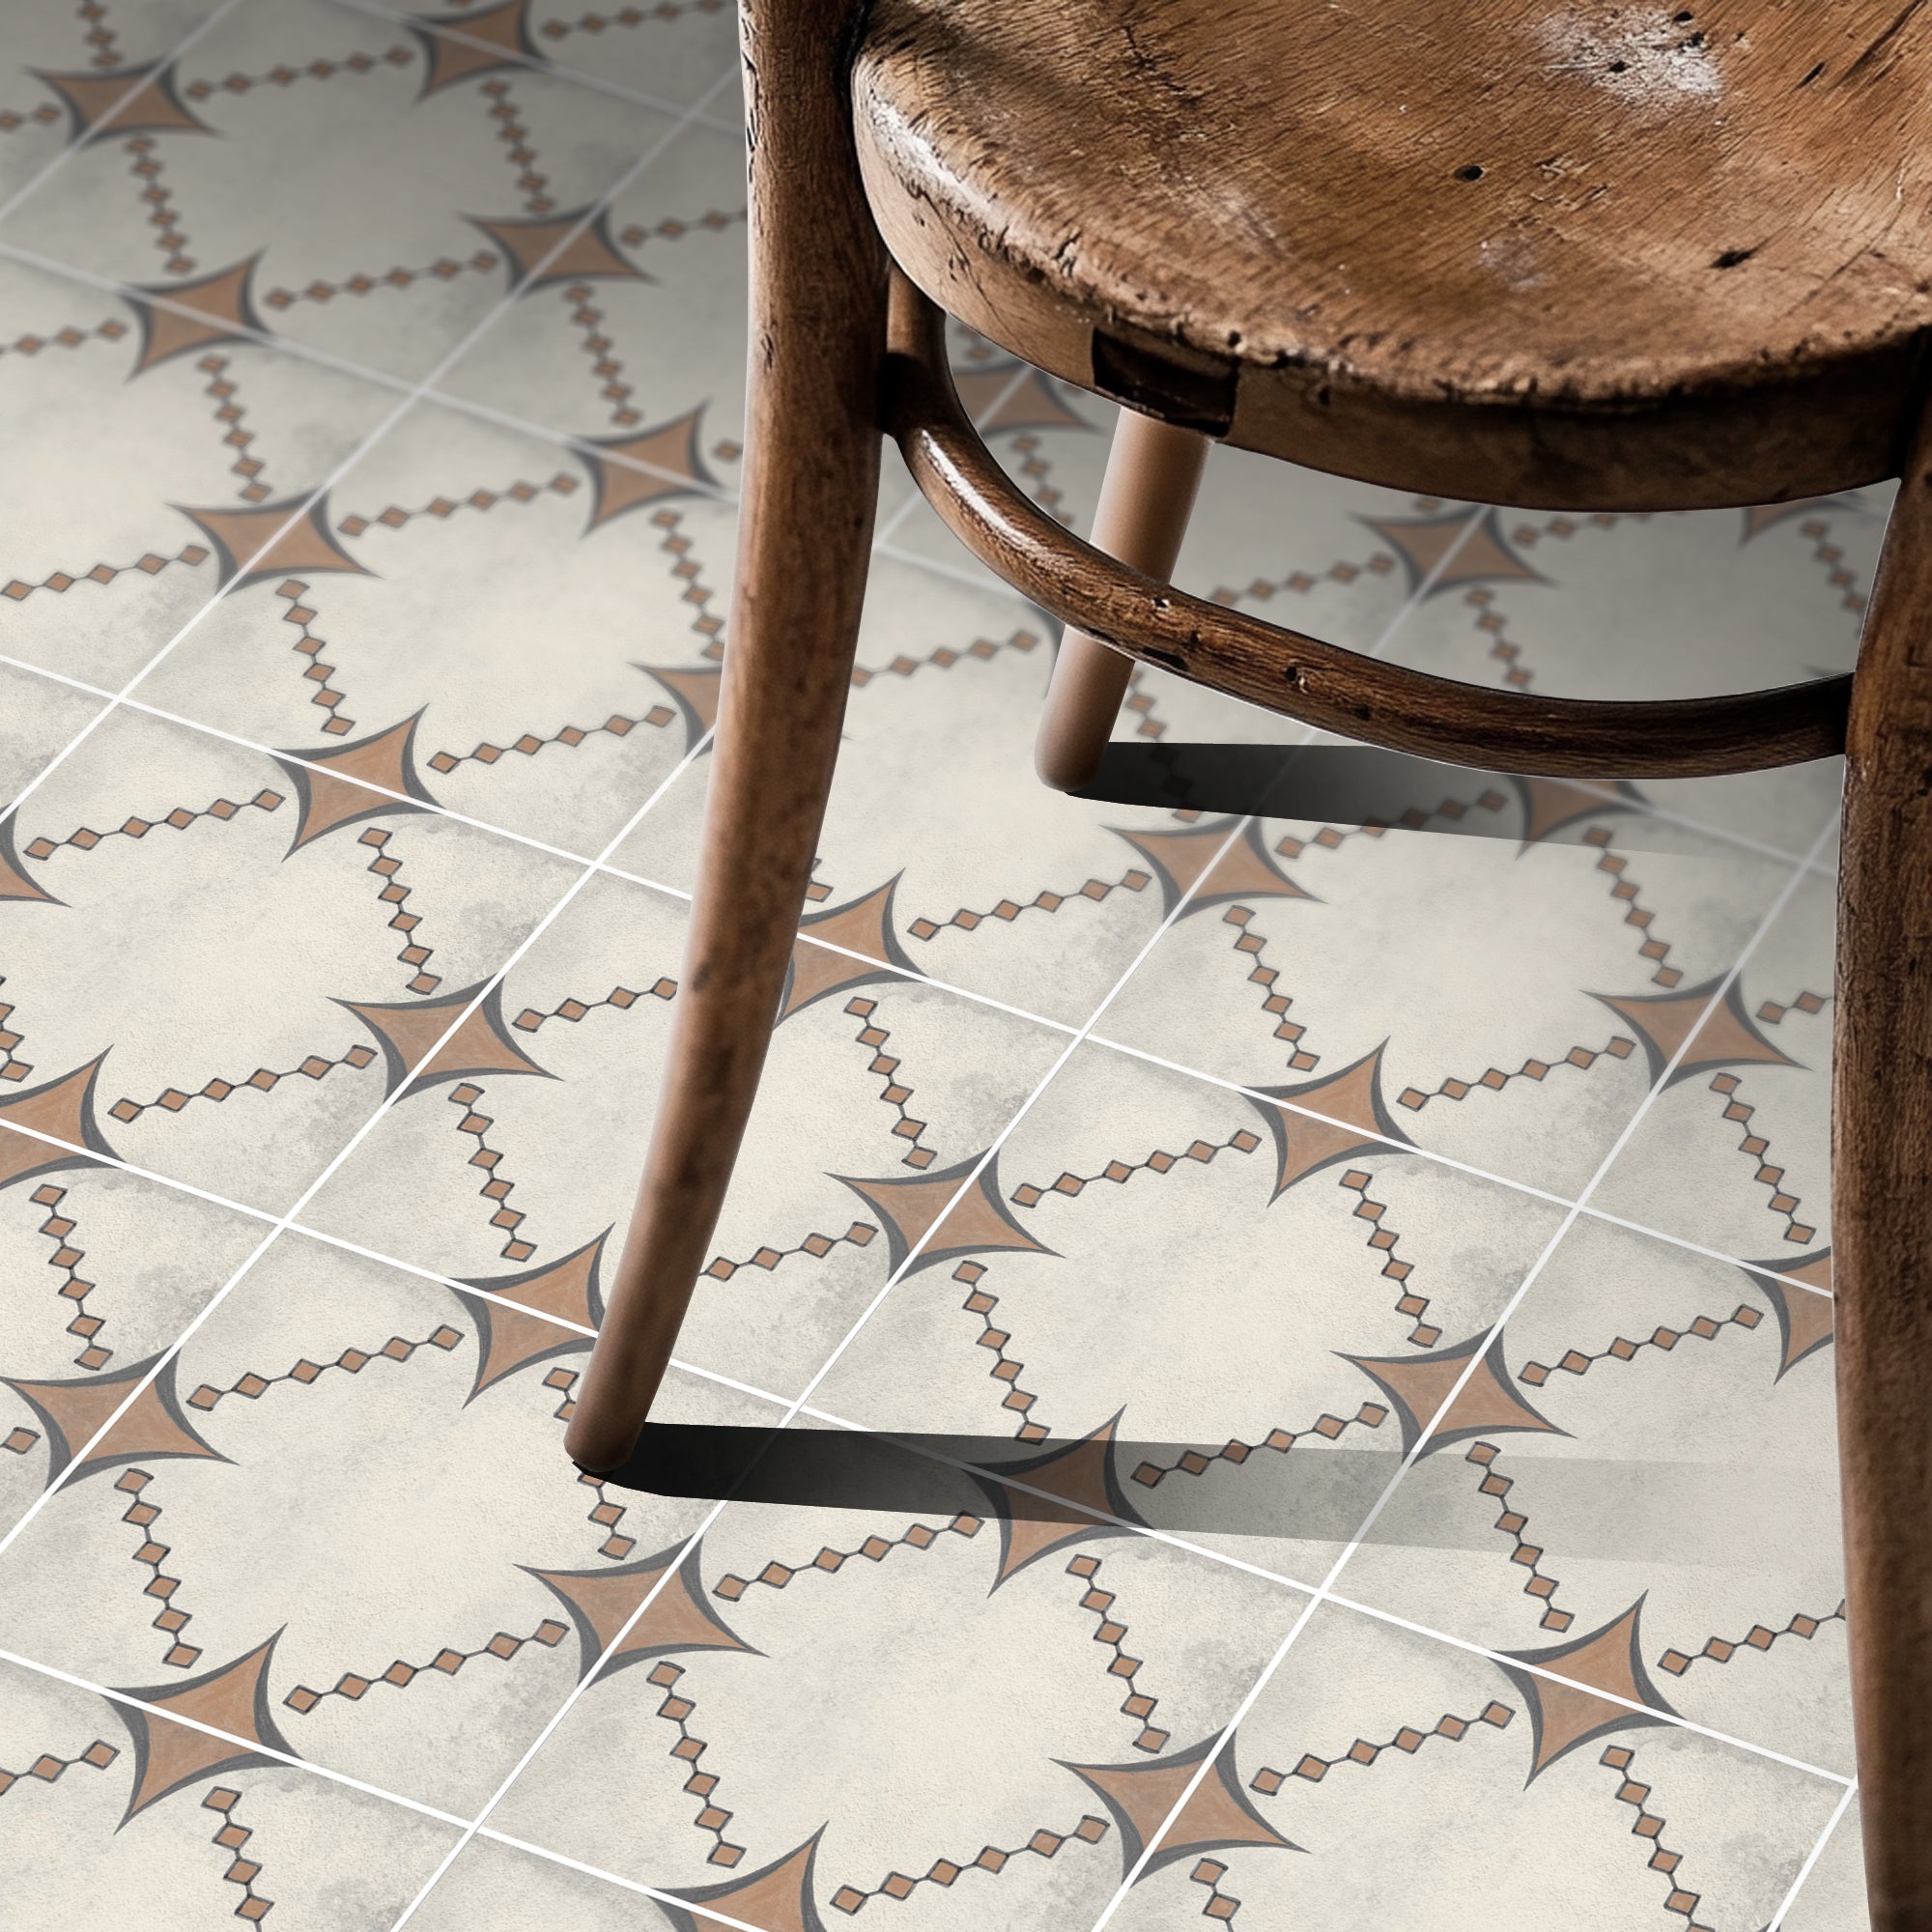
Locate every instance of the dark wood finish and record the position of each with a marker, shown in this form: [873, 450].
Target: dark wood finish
[1153, 471]
[1611, 256]
[811, 470]
[1340, 691]
[1882, 1209]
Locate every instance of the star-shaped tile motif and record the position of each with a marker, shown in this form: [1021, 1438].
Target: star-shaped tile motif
[1803, 1319]
[1488, 1403]
[15, 884]
[1549, 804]
[1485, 557]
[1217, 1816]
[1184, 860]
[272, 540]
[1565, 1716]
[601, 1601]
[862, 925]
[1028, 403]
[409, 1031]
[1357, 1121]
[565, 1291]
[546, 250]
[63, 1107]
[1668, 1022]
[776, 1898]
[223, 311]
[696, 695]
[1083, 1472]
[144, 96]
[1761, 516]
[152, 1425]
[676, 468]
[980, 1222]
[338, 794]
[233, 1698]
[494, 38]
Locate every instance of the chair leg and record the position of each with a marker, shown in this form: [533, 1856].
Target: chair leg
[1153, 471]
[805, 530]
[1882, 1209]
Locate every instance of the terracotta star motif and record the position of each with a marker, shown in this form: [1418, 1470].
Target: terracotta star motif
[1487, 1403]
[1356, 1121]
[1549, 804]
[509, 1340]
[996, 402]
[601, 1601]
[1217, 1816]
[673, 467]
[1485, 557]
[546, 250]
[223, 311]
[1803, 1319]
[272, 540]
[860, 926]
[493, 37]
[696, 695]
[233, 1698]
[1184, 860]
[130, 101]
[1761, 516]
[63, 1107]
[1565, 1716]
[152, 1425]
[409, 1032]
[15, 884]
[980, 1222]
[1031, 1527]
[776, 1898]
[1667, 1021]
[339, 793]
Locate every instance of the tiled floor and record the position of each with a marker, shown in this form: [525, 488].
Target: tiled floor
[1373, 1287]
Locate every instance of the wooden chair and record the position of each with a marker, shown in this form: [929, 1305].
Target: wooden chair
[1572, 255]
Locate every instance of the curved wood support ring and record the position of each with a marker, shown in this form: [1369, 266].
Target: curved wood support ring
[1339, 690]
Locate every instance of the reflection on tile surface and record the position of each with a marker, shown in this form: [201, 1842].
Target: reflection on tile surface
[1280, 1267]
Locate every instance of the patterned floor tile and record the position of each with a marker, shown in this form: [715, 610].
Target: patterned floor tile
[99, 1271]
[1003, 887]
[1832, 1898]
[668, 50]
[878, 1094]
[549, 620]
[165, 454]
[351, 182]
[1649, 1448]
[496, 1887]
[636, 337]
[219, 962]
[38, 719]
[118, 1816]
[1672, 606]
[839, 1707]
[65, 66]
[1182, 1287]
[394, 1449]
[1383, 1778]
[1503, 998]
[1736, 1153]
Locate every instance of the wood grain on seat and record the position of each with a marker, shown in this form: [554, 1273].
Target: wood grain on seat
[1537, 251]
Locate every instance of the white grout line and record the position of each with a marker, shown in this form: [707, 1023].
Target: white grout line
[1327, 1589]
[1817, 1851]
[227, 1737]
[283, 1222]
[106, 125]
[311, 498]
[670, 1898]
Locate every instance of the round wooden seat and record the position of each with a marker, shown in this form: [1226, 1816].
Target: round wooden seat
[1627, 256]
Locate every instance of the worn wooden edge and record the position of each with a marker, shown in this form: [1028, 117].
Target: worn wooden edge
[1339, 690]
[1744, 434]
